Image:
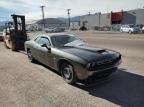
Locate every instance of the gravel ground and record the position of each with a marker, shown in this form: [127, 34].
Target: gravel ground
[24, 84]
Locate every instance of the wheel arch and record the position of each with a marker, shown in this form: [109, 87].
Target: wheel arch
[27, 49]
[63, 60]
[73, 78]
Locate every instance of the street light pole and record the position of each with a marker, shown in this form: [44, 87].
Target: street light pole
[42, 8]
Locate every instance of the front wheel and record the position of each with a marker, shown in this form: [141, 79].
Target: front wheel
[68, 73]
[121, 30]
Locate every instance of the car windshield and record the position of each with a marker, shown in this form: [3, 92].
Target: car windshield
[66, 40]
[131, 26]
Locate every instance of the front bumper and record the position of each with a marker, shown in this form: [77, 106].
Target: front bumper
[83, 74]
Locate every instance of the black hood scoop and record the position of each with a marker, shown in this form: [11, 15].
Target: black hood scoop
[92, 49]
[87, 53]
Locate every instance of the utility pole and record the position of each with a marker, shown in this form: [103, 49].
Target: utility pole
[42, 8]
[68, 12]
[99, 19]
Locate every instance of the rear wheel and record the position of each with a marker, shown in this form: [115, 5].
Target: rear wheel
[30, 57]
[68, 73]
[130, 32]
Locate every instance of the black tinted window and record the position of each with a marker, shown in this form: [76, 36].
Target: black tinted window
[61, 40]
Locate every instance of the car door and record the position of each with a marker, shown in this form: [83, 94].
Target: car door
[34, 47]
[127, 28]
[124, 28]
[43, 53]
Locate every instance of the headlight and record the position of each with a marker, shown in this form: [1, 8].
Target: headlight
[132, 30]
[119, 57]
[91, 65]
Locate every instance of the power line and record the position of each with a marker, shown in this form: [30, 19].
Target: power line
[42, 8]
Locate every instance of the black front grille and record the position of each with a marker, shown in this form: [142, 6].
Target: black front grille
[104, 73]
[105, 64]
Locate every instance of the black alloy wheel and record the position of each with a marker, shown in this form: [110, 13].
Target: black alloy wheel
[68, 73]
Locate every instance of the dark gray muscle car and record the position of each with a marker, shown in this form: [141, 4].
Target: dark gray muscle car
[72, 57]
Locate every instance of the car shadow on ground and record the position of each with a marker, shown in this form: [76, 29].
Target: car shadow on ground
[122, 88]
[54, 71]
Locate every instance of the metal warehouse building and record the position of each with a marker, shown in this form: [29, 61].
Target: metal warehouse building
[113, 20]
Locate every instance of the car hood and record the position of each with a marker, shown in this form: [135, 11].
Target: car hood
[90, 53]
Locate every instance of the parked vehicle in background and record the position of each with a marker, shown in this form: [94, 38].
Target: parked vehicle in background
[143, 29]
[105, 28]
[59, 29]
[83, 28]
[140, 26]
[49, 30]
[129, 29]
[54, 30]
[71, 57]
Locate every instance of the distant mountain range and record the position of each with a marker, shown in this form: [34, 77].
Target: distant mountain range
[51, 21]
[2, 23]
[61, 19]
[73, 19]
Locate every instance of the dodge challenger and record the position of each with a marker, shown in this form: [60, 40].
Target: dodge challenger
[72, 57]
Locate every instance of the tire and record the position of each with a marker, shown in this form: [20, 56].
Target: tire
[13, 46]
[68, 74]
[6, 45]
[130, 32]
[30, 57]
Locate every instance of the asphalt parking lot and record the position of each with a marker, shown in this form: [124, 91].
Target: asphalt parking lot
[25, 84]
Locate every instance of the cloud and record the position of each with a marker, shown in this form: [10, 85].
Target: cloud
[5, 4]
[57, 8]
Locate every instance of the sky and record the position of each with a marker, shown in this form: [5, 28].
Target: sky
[58, 8]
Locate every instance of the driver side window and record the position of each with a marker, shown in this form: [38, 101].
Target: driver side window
[43, 40]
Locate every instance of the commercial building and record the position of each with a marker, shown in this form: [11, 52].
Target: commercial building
[94, 21]
[113, 20]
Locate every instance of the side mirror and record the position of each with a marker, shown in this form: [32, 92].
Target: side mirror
[48, 47]
[44, 45]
